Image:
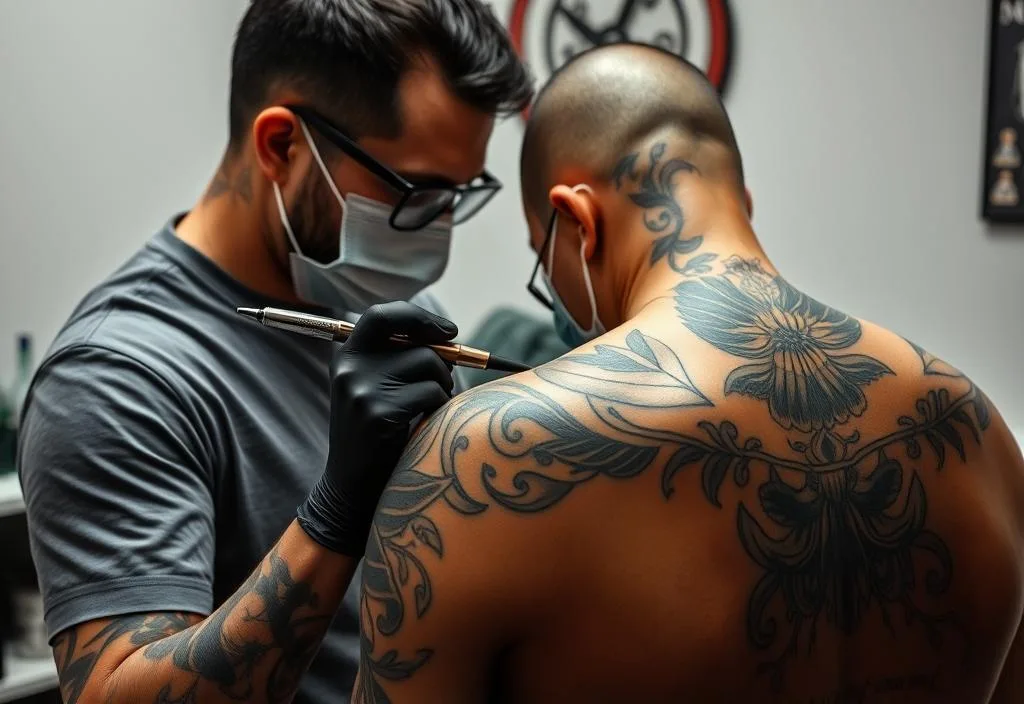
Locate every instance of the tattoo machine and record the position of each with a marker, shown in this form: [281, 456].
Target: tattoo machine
[339, 330]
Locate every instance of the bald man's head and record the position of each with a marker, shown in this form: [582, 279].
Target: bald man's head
[603, 104]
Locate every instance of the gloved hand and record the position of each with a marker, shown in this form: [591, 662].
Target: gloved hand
[378, 388]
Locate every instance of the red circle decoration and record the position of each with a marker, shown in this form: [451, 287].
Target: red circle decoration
[717, 69]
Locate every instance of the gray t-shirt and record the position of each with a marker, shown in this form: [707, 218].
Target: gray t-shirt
[166, 443]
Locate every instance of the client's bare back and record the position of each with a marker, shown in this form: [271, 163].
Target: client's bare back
[864, 529]
[740, 494]
[745, 495]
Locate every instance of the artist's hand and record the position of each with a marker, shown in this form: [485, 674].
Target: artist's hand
[378, 388]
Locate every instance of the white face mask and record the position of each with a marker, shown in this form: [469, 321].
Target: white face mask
[376, 263]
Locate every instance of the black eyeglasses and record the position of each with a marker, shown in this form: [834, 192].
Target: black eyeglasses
[538, 292]
[420, 204]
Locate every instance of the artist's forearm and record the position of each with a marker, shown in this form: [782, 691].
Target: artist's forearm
[254, 648]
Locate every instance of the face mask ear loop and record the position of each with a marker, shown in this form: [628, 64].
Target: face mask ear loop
[320, 163]
[330, 183]
[594, 324]
[590, 286]
[553, 233]
[284, 219]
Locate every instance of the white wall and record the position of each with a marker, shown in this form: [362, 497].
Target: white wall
[113, 114]
[861, 125]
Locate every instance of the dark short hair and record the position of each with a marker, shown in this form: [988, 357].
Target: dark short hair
[347, 57]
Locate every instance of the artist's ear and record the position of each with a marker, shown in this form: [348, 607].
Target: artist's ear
[277, 139]
[750, 204]
[580, 205]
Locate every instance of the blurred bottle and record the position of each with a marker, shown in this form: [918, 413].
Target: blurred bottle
[7, 443]
[23, 377]
[12, 401]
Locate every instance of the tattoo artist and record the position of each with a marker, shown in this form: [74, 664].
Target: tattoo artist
[166, 441]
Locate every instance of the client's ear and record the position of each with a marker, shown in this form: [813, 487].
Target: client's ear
[580, 205]
[750, 204]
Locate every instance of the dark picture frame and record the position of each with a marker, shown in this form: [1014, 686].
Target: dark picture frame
[1002, 195]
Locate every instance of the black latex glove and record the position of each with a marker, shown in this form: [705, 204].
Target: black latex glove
[378, 388]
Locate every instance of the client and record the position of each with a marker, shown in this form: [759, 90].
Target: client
[736, 494]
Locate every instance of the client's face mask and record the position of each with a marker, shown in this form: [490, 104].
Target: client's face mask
[376, 263]
[570, 331]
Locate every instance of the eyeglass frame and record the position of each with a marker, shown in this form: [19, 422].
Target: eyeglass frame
[402, 185]
[543, 299]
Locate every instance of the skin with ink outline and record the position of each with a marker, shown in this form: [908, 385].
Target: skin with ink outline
[239, 185]
[765, 322]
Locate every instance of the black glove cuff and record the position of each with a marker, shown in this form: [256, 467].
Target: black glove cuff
[333, 522]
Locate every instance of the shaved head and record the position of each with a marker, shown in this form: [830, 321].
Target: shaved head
[602, 105]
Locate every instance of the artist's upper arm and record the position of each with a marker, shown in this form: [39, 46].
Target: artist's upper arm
[119, 512]
[436, 595]
[118, 491]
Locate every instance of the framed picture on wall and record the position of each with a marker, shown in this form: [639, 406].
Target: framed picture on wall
[547, 33]
[1003, 170]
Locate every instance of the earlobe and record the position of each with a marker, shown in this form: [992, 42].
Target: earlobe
[274, 133]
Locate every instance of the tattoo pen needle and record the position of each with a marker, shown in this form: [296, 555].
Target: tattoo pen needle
[339, 330]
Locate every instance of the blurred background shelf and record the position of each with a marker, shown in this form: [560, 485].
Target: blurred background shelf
[23, 678]
[11, 502]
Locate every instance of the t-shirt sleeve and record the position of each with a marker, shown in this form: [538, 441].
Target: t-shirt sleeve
[118, 490]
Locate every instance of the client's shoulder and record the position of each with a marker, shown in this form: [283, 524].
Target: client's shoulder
[941, 398]
[597, 410]
[628, 366]
[520, 445]
[916, 376]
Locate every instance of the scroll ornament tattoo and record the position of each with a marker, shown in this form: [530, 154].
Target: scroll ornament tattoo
[653, 190]
[839, 528]
[548, 470]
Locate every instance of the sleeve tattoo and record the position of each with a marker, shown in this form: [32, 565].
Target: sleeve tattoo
[257, 645]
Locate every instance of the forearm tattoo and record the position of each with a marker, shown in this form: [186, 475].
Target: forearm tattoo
[255, 647]
[76, 663]
[839, 526]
